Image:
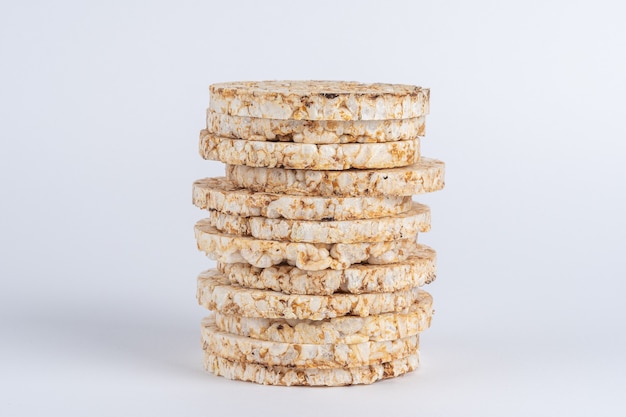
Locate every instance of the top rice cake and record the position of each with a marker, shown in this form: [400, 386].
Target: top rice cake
[319, 100]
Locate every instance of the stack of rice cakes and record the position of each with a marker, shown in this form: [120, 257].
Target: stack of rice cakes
[314, 231]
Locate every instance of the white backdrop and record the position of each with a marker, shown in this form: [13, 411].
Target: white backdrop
[100, 108]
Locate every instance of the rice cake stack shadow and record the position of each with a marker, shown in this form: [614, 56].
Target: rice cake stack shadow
[319, 272]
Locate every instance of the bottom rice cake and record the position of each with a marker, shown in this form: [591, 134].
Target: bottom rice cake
[303, 355]
[216, 293]
[288, 376]
[344, 329]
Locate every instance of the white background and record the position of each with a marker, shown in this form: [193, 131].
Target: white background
[100, 108]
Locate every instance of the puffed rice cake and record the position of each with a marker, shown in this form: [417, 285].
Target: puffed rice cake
[228, 248]
[303, 355]
[332, 156]
[402, 226]
[222, 195]
[288, 375]
[426, 176]
[216, 293]
[314, 131]
[418, 269]
[319, 100]
[344, 329]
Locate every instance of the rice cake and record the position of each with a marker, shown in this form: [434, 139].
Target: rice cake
[290, 376]
[332, 156]
[229, 248]
[345, 329]
[222, 195]
[217, 294]
[319, 100]
[303, 355]
[405, 225]
[314, 131]
[418, 269]
[427, 175]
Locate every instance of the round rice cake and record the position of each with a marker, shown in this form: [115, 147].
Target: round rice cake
[303, 355]
[345, 329]
[384, 229]
[216, 293]
[418, 269]
[222, 195]
[314, 131]
[319, 100]
[426, 176]
[291, 376]
[330, 156]
[261, 253]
